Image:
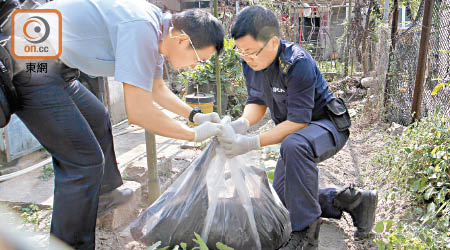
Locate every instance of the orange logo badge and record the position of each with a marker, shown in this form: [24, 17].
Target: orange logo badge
[36, 34]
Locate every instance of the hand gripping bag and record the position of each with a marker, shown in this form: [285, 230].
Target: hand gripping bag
[223, 200]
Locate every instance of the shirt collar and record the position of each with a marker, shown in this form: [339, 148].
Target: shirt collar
[165, 24]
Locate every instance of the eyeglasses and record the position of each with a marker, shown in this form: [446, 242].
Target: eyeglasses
[252, 55]
[190, 41]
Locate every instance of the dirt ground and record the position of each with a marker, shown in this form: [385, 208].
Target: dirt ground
[350, 165]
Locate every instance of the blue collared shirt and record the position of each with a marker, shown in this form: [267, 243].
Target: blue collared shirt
[292, 87]
[113, 38]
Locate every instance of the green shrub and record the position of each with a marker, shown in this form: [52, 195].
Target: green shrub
[418, 163]
[231, 76]
[201, 245]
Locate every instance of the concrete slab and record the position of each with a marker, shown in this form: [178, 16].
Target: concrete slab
[122, 216]
[28, 188]
[331, 237]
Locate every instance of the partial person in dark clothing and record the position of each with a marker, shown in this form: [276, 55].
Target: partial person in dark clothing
[311, 126]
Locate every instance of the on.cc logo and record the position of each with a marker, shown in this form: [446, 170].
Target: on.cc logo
[36, 29]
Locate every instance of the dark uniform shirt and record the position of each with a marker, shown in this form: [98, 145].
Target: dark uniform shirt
[292, 87]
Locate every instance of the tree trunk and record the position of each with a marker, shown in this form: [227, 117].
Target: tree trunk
[391, 50]
[422, 60]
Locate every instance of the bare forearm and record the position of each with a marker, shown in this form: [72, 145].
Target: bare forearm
[281, 131]
[254, 113]
[160, 124]
[168, 100]
[141, 111]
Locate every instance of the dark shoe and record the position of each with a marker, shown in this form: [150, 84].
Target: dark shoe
[307, 239]
[111, 200]
[361, 205]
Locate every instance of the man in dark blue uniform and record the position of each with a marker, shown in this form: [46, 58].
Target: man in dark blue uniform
[311, 126]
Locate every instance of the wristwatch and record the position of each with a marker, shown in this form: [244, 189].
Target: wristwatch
[193, 112]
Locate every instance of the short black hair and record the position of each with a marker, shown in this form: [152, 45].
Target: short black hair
[202, 27]
[257, 21]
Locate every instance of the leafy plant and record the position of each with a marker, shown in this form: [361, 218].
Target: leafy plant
[47, 172]
[203, 77]
[441, 85]
[201, 245]
[30, 214]
[418, 163]
[410, 236]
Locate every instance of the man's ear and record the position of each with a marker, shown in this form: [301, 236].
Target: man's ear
[275, 41]
[183, 39]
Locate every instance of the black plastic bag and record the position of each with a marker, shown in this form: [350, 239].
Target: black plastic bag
[223, 200]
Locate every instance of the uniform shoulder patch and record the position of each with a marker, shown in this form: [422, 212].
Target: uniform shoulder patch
[284, 65]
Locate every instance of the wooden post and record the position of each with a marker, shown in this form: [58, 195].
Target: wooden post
[153, 181]
[217, 68]
[422, 59]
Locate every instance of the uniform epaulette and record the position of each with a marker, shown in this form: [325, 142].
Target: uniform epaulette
[284, 65]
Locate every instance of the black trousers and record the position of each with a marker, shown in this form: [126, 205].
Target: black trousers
[296, 178]
[74, 126]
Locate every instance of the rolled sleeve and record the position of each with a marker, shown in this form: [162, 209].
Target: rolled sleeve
[159, 67]
[138, 60]
[301, 91]
[254, 97]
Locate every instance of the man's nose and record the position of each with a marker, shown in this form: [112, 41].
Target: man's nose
[248, 59]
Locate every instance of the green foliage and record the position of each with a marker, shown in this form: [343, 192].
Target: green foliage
[232, 79]
[30, 214]
[270, 174]
[438, 88]
[47, 172]
[441, 85]
[231, 76]
[201, 245]
[410, 236]
[330, 66]
[222, 246]
[271, 153]
[200, 242]
[418, 163]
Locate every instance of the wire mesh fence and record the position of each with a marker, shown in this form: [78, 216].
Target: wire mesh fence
[403, 66]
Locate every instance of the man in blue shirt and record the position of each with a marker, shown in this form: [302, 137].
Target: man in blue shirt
[128, 40]
[283, 77]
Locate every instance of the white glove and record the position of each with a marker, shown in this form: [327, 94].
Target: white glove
[240, 144]
[207, 130]
[240, 126]
[200, 118]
